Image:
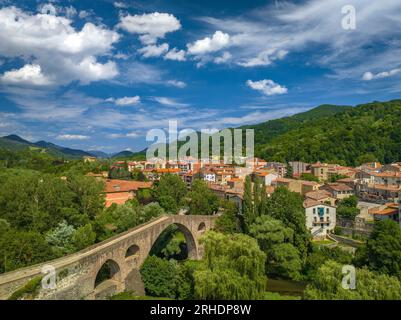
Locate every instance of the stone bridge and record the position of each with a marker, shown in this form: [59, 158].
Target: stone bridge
[124, 254]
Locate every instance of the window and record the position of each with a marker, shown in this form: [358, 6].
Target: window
[314, 210]
[327, 210]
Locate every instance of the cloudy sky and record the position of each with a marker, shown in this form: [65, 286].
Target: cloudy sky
[100, 74]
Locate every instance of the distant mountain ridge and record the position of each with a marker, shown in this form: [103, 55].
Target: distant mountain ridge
[16, 143]
[341, 134]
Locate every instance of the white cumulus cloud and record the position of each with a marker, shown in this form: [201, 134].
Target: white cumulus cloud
[151, 26]
[28, 74]
[63, 53]
[267, 87]
[218, 41]
[154, 50]
[174, 54]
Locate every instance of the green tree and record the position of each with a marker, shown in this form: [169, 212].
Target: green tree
[275, 239]
[185, 282]
[229, 221]
[138, 175]
[327, 285]
[320, 254]
[202, 200]
[158, 277]
[248, 207]
[144, 196]
[22, 248]
[287, 207]
[347, 207]
[121, 173]
[257, 196]
[287, 262]
[382, 251]
[4, 226]
[290, 172]
[170, 186]
[42, 201]
[60, 239]
[232, 268]
[83, 237]
[88, 196]
[309, 177]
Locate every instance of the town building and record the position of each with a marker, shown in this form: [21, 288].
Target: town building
[300, 186]
[320, 218]
[121, 191]
[338, 191]
[299, 167]
[321, 196]
[387, 211]
[325, 171]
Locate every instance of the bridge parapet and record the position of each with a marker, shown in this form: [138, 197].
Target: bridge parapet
[76, 273]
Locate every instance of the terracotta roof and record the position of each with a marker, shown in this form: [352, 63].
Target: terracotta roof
[384, 212]
[384, 187]
[309, 183]
[169, 170]
[312, 203]
[387, 174]
[346, 180]
[318, 194]
[125, 186]
[117, 198]
[339, 187]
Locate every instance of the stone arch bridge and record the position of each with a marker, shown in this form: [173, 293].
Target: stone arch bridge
[124, 254]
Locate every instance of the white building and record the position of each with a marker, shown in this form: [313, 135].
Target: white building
[210, 177]
[320, 218]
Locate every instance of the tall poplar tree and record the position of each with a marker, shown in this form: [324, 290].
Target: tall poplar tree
[248, 208]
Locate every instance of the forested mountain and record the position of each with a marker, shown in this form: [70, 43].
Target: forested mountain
[366, 132]
[267, 131]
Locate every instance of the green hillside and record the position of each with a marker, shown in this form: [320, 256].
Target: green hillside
[16, 143]
[364, 133]
[267, 131]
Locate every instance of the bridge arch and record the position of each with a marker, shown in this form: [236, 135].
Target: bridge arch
[110, 270]
[202, 227]
[132, 251]
[189, 235]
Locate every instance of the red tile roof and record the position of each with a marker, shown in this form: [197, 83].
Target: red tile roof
[113, 185]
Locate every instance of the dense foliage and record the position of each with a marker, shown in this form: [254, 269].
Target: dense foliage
[365, 133]
[202, 200]
[382, 252]
[233, 267]
[327, 285]
[347, 207]
[170, 192]
[287, 207]
[275, 239]
[45, 216]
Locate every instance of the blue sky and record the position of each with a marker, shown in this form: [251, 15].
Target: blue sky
[99, 74]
